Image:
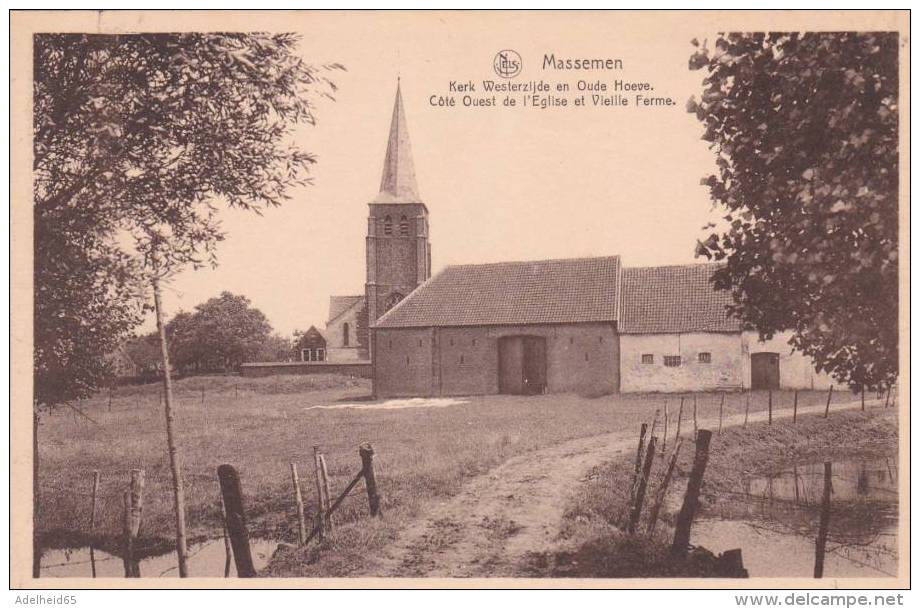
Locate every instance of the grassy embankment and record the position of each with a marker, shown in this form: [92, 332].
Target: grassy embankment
[593, 544]
[261, 425]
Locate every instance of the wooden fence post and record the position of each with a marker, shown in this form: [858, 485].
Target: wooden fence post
[643, 485]
[134, 507]
[232, 493]
[228, 551]
[662, 491]
[110, 399]
[827, 407]
[370, 479]
[692, 497]
[680, 415]
[721, 409]
[92, 524]
[795, 406]
[327, 512]
[127, 546]
[862, 398]
[298, 500]
[638, 465]
[887, 396]
[770, 407]
[322, 501]
[664, 435]
[821, 542]
[651, 431]
[695, 426]
[747, 407]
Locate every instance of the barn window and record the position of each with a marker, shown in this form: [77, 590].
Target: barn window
[600, 340]
[345, 337]
[420, 342]
[461, 359]
[404, 227]
[705, 357]
[672, 361]
[648, 358]
[388, 226]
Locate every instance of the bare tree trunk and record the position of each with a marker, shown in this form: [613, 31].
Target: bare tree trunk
[174, 463]
[36, 546]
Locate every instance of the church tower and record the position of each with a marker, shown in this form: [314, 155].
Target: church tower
[398, 251]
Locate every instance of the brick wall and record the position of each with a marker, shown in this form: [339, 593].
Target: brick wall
[581, 358]
[724, 371]
[362, 369]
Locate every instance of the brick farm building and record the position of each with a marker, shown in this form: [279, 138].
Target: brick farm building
[585, 325]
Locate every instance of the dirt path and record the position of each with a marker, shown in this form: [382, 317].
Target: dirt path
[516, 508]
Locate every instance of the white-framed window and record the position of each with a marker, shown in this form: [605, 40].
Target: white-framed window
[305, 355]
[319, 354]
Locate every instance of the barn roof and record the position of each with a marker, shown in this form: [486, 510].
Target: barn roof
[543, 291]
[672, 299]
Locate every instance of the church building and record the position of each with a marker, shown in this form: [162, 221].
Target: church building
[398, 251]
[585, 325]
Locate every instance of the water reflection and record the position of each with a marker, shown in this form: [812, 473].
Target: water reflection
[205, 560]
[775, 521]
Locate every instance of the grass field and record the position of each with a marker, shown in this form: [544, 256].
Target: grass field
[261, 425]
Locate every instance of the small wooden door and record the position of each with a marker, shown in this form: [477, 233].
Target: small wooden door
[765, 371]
[522, 365]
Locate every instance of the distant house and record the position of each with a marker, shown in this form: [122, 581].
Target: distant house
[311, 346]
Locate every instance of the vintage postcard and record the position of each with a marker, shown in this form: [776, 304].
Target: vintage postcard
[460, 299]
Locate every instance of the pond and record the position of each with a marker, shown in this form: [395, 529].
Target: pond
[206, 559]
[775, 521]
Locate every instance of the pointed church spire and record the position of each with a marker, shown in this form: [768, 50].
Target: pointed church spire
[397, 185]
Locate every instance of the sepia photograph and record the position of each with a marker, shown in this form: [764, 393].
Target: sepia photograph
[435, 299]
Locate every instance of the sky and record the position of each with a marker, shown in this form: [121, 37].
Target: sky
[500, 183]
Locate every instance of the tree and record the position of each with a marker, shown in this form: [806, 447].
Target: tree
[275, 348]
[144, 352]
[221, 334]
[805, 130]
[142, 136]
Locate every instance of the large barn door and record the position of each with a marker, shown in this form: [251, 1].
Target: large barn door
[510, 365]
[521, 365]
[534, 365]
[765, 371]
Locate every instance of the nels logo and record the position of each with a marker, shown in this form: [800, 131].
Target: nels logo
[507, 63]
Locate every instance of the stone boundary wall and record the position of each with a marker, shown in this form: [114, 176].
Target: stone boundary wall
[253, 369]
